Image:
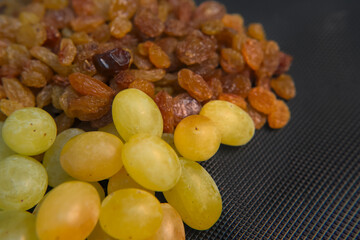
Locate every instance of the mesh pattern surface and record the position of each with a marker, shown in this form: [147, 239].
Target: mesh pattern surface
[303, 181]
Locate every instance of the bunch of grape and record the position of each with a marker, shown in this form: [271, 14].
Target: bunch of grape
[134, 156]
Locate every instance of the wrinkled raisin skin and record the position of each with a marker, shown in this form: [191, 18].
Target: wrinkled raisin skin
[112, 62]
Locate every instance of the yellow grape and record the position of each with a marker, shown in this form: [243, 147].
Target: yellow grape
[51, 161]
[196, 196]
[5, 151]
[110, 128]
[197, 138]
[235, 125]
[135, 112]
[29, 131]
[99, 234]
[23, 182]
[123, 180]
[17, 224]
[69, 212]
[172, 226]
[92, 156]
[169, 138]
[99, 189]
[151, 162]
[131, 214]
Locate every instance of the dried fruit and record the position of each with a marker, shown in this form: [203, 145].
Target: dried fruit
[67, 52]
[207, 11]
[112, 61]
[184, 105]
[122, 8]
[195, 85]
[145, 86]
[119, 27]
[253, 53]
[158, 57]
[234, 21]
[165, 103]
[258, 118]
[279, 115]
[233, 98]
[261, 99]
[256, 30]
[237, 84]
[35, 74]
[284, 86]
[148, 23]
[231, 61]
[15, 91]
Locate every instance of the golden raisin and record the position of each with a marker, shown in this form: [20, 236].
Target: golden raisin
[231, 61]
[253, 53]
[145, 86]
[67, 52]
[212, 27]
[284, 86]
[9, 106]
[122, 8]
[86, 23]
[258, 118]
[256, 30]
[261, 99]
[234, 21]
[194, 84]
[120, 26]
[279, 115]
[17, 92]
[165, 103]
[87, 85]
[35, 74]
[63, 122]
[158, 57]
[233, 98]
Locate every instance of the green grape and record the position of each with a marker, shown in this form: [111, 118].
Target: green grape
[235, 125]
[51, 161]
[17, 224]
[92, 156]
[99, 234]
[196, 196]
[23, 182]
[172, 226]
[169, 138]
[110, 128]
[5, 151]
[135, 112]
[123, 180]
[99, 189]
[130, 214]
[29, 131]
[151, 162]
[69, 212]
[197, 138]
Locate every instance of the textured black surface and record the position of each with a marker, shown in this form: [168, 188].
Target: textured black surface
[301, 182]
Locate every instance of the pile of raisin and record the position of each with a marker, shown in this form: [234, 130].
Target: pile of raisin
[71, 57]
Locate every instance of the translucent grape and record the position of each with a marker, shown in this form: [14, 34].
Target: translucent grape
[92, 156]
[29, 131]
[99, 234]
[235, 125]
[196, 196]
[123, 180]
[151, 162]
[51, 162]
[17, 224]
[131, 214]
[172, 226]
[5, 151]
[110, 128]
[69, 211]
[23, 182]
[197, 138]
[135, 112]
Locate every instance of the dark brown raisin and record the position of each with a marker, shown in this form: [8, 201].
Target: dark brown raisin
[112, 62]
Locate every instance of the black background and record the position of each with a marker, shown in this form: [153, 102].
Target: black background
[302, 181]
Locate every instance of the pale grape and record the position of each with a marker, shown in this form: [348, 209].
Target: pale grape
[99, 234]
[123, 180]
[70, 211]
[23, 182]
[135, 112]
[172, 226]
[169, 138]
[110, 128]
[92, 156]
[131, 214]
[196, 196]
[151, 162]
[5, 151]
[29, 131]
[235, 125]
[99, 189]
[197, 138]
[51, 161]
[17, 224]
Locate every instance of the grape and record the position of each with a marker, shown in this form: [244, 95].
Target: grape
[196, 196]
[17, 224]
[23, 182]
[197, 138]
[130, 214]
[99, 234]
[69, 211]
[123, 180]
[99, 189]
[151, 162]
[135, 112]
[51, 161]
[235, 125]
[172, 226]
[169, 138]
[83, 157]
[110, 128]
[5, 151]
[29, 131]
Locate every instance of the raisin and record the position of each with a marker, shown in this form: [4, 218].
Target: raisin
[28, 18]
[261, 99]
[207, 67]
[271, 60]
[80, 38]
[16, 91]
[122, 8]
[238, 41]
[176, 28]
[237, 84]
[165, 103]
[279, 115]
[56, 4]
[8, 27]
[56, 93]
[86, 85]
[112, 62]
[148, 23]
[163, 10]
[103, 121]
[152, 75]
[256, 30]
[233, 98]
[284, 86]
[216, 87]
[212, 27]
[122, 80]
[17, 55]
[225, 38]
[59, 18]
[151, 5]
[184, 105]
[63, 122]
[209, 10]
[101, 34]
[145, 86]
[37, 8]
[168, 44]
[263, 82]
[258, 118]
[43, 98]
[53, 37]
[7, 106]
[67, 52]
[61, 80]
[141, 62]
[195, 48]
[234, 21]
[2, 92]
[231, 61]
[194, 84]
[84, 7]
[120, 26]
[86, 23]
[253, 53]
[284, 63]
[35, 74]
[158, 57]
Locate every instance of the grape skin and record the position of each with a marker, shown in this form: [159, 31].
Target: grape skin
[5, 151]
[17, 224]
